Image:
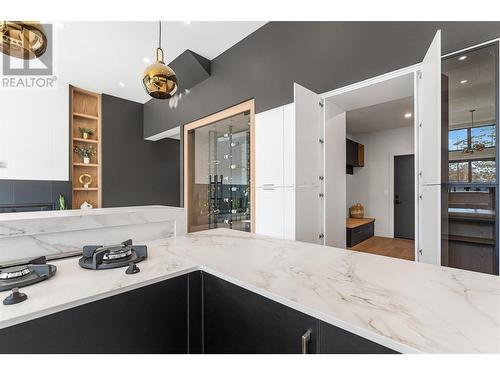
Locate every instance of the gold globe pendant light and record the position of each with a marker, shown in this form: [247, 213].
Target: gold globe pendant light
[23, 39]
[159, 80]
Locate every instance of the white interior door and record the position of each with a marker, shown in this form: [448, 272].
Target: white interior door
[289, 145]
[289, 213]
[308, 155]
[335, 175]
[430, 224]
[429, 112]
[429, 155]
[308, 165]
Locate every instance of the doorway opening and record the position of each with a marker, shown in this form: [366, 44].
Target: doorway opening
[375, 131]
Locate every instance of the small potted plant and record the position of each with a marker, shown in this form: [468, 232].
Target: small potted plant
[86, 132]
[85, 152]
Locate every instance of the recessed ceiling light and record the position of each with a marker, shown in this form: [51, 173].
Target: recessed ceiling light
[407, 115]
[187, 22]
[121, 84]
[463, 81]
[461, 58]
[146, 60]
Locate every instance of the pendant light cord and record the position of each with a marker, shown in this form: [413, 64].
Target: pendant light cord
[159, 34]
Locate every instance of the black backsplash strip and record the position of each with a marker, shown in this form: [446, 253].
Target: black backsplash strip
[32, 195]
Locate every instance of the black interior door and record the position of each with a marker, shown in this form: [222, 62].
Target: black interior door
[404, 196]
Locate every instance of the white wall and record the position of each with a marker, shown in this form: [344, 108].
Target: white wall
[372, 185]
[34, 135]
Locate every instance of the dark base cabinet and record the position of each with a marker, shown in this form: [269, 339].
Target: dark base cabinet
[334, 340]
[238, 321]
[194, 313]
[359, 234]
[152, 319]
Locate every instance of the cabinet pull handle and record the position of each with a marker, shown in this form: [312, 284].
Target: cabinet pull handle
[306, 337]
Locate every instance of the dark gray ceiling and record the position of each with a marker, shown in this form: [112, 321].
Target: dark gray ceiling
[319, 55]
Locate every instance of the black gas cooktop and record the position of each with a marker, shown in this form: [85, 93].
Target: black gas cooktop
[98, 257]
[20, 275]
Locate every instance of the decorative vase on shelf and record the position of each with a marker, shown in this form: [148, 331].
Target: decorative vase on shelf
[86, 205]
[357, 211]
[86, 160]
[85, 179]
[85, 135]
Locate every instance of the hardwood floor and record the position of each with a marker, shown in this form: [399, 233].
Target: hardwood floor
[390, 247]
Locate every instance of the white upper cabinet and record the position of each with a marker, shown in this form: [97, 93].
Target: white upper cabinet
[429, 115]
[269, 148]
[289, 145]
[308, 155]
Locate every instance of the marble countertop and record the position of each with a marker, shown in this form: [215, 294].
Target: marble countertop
[33, 215]
[407, 306]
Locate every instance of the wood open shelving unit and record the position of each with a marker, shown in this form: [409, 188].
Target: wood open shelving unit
[85, 111]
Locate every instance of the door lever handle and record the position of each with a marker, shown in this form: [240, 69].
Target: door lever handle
[306, 338]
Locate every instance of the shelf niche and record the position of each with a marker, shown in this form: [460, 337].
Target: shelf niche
[85, 112]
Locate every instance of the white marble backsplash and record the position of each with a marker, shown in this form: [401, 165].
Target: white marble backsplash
[25, 236]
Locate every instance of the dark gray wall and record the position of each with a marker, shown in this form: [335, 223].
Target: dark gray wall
[318, 55]
[135, 171]
[36, 192]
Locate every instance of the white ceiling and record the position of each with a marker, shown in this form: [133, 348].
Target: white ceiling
[381, 92]
[383, 116]
[99, 55]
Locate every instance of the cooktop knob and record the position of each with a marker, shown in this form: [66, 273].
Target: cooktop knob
[132, 268]
[15, 297]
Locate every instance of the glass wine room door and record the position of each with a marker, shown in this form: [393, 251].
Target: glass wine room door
[470, 168]
[218, 193]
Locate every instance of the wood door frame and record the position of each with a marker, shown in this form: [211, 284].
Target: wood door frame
[246, 106]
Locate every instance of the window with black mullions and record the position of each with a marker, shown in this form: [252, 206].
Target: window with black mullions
[473, 171]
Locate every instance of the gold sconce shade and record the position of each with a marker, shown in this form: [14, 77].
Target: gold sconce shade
[159, 80]
[23, 39]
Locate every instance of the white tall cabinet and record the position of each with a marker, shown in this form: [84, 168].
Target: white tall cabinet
[288, 159]
[275, 172]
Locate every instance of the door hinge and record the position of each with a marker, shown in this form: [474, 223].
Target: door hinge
[321, 236]
[420, 251]
[321, 195]
[419, 74]
[420, 125]
[420, 196]
[321, 141]
[321, 104]
[420, 173]
[321, 178]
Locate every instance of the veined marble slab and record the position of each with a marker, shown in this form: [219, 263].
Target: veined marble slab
[26, 235]
[407, 306]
